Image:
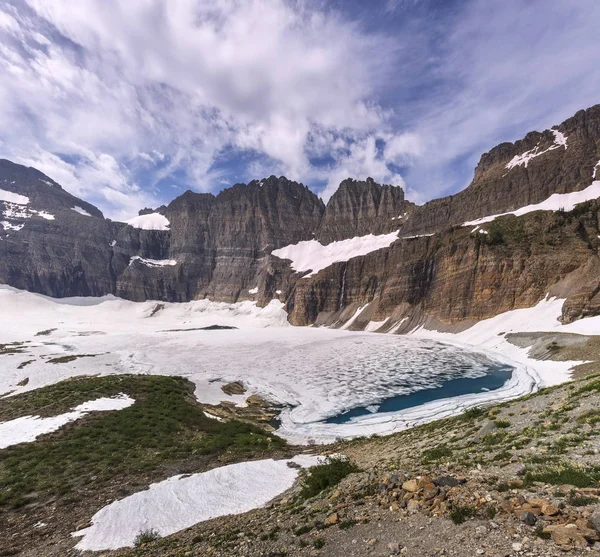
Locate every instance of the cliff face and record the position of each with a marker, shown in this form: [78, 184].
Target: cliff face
[462, 276]
[361, 208]
[514, 175]
[437, 271]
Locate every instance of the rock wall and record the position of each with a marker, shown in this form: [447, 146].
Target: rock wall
[220, 246]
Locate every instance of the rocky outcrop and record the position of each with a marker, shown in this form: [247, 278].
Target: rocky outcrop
[504, 182]
[361, 208]
[457, 276]
[437, 272]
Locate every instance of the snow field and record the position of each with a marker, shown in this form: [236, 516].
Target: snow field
[182, 501]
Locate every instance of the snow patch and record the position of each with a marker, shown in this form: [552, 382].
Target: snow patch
[417, 236]
[153, 221]
[43, 214]
[8, 226]
[556, 202]
[253, 290]
[375, 325]
[560, 140]
[596, 169]
[80, 211]
[313, 256]
[13, 197]
[153, 263]
[182, 501]
[29, 428]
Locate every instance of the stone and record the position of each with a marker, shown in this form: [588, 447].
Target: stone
[595, 521]
[429, 492]
[234, 388]
[549, 509]
[394, 548]
[448, 481]
[332, 519]
[411, 486]
[569, 537]
[487, 428]
[520, 469]
[528, 518]
[413, 506]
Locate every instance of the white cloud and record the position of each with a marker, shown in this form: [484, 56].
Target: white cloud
[110, 97]
[185, 78]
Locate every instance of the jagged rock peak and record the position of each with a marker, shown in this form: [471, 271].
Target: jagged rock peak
[581, 128]
[42, 191]
[363, 207]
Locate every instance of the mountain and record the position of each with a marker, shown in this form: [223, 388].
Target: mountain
[368, 255]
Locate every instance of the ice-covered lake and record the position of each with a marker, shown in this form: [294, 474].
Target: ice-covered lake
[330, 383]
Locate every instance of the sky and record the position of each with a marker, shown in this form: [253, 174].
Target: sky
[128, 104]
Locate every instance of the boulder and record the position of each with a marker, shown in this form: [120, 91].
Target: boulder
[411, 486]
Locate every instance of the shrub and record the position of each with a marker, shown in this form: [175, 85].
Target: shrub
[581, 500]
[146, 536]
[326, 475]
[437, 453]
[579, 476]
[460, 514]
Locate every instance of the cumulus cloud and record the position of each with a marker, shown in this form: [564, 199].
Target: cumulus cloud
[120, 80]
[121, 101]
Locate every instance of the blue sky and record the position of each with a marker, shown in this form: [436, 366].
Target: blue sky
[128, 104]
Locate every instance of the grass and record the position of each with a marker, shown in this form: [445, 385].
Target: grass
[324, 476]
[579, 476]
[12, 348]
[581, 500]
[436, 454]
[461, 514]
[163, 429]
[70, 358]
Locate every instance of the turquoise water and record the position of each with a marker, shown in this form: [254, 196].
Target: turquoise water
[495, 378]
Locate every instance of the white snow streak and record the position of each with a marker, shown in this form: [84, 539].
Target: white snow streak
[29, 428]
[560, 140]
[153, 221]
[182, 501]
[556, 202]
[13, 197]
[152, 262]
[80, 211]
[313, 256]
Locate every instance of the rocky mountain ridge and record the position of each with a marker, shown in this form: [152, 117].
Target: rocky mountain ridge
[437, 271]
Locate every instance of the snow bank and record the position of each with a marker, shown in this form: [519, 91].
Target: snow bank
[13, 197]
[81, 211]
[560, 140]
[152, 262]
[29, 428]
[182, 501]
[153, 221]
[313, 256]
[8, 226]
[556, 202]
